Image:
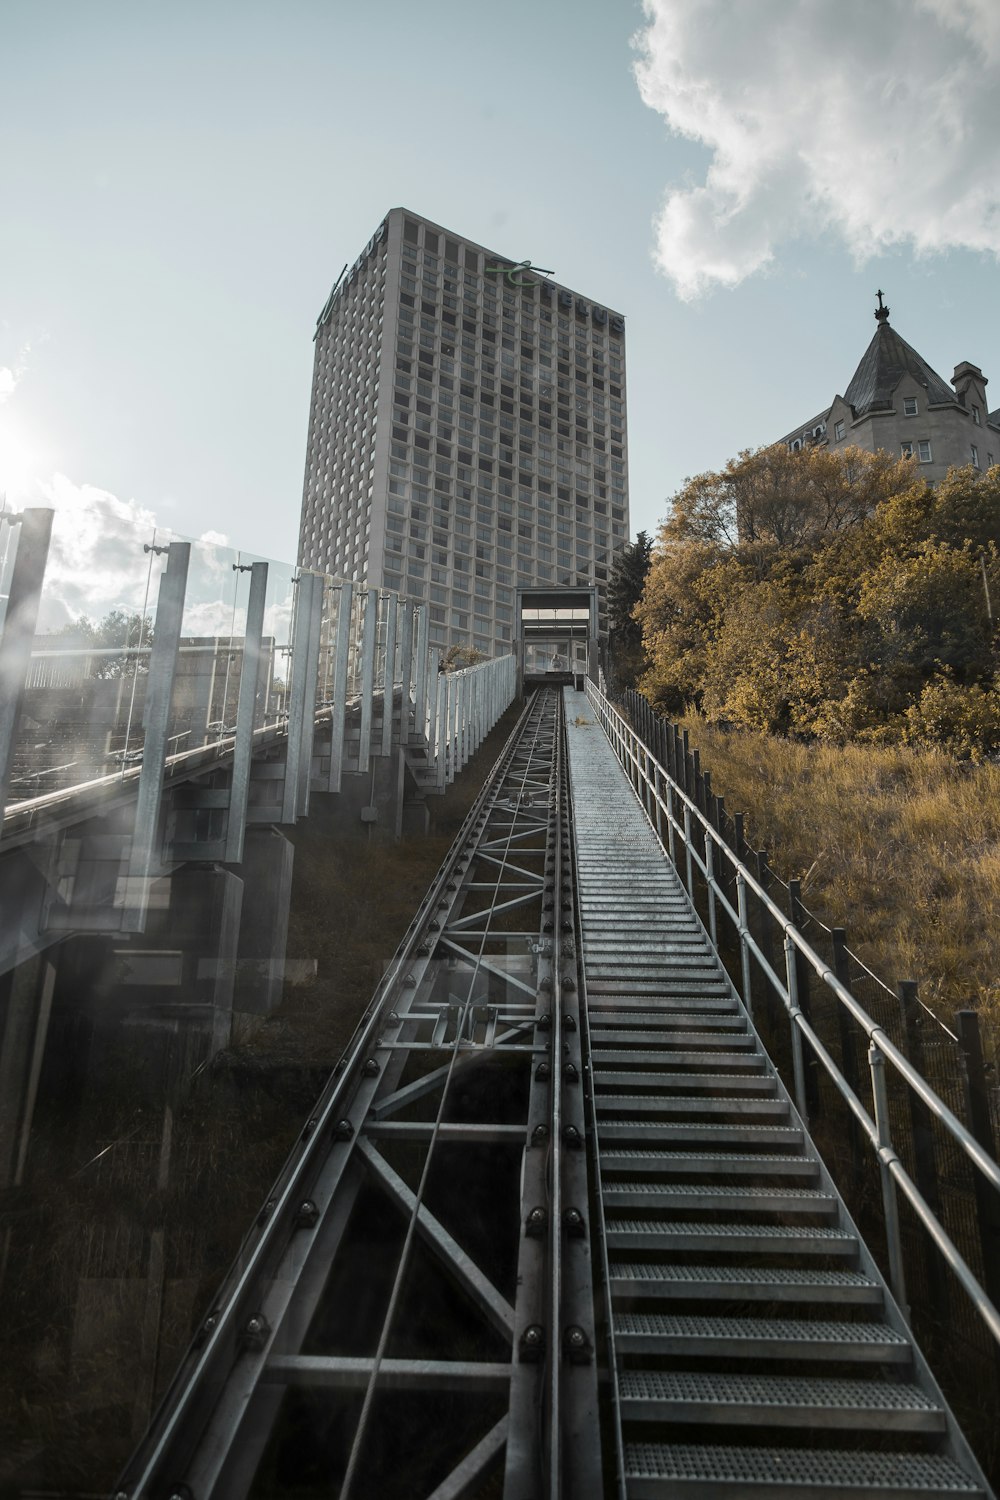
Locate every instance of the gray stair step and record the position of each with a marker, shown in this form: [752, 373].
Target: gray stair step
[698, 1133]
[652, 1196]
[760, 1338]
[655, 1471]
[667, 1039]
[778, 1400]
[730, 1239]
[672, 1163]
[743, 1284]
[683, 1079]
[667, 1021]
[641, 1104]
[690, 987]
[713, 1005]
[750, 1060]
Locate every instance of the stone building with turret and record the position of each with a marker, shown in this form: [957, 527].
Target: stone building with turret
[897, 403]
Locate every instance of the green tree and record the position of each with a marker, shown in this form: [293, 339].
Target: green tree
[119, 630]
[626, 582]
[829, 594]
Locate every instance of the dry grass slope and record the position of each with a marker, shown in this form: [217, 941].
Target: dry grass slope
[900, 847]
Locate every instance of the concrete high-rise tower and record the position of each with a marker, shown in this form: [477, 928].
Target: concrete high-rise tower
[467, 431]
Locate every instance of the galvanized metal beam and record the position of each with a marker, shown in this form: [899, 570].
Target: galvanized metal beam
[246, 713]
[159, 695]
[19, 624]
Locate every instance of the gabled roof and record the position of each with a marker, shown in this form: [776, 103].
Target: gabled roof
[884, 363]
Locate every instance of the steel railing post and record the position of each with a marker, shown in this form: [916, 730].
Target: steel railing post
[246, 713]
[710, 888]
[886, 1156]
[159, 695]
[20, 620]
[744, 931]
[794, 1011]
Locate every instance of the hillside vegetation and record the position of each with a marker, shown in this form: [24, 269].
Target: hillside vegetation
[831, 596]
[901, 847]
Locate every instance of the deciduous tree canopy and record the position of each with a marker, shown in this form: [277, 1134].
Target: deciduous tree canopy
[830, 594]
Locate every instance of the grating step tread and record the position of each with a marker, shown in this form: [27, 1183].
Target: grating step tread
[738, 1282]
[756, 1330]
[730, 1470]
[720, 1162]
[683, 1396]
[750, 1199]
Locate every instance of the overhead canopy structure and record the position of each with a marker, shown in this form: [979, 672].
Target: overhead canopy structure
[550, 625]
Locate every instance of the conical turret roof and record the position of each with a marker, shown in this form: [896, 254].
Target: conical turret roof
[884, 363]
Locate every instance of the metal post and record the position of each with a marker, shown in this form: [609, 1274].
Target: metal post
[19, 625]
[744, 930]
[302, 699]
[671, 816]
[710, 887]
[338, 712]
[797, 912]
[981, 1126]
[246, 713]
[421, 650]
[369, 634]
[765, 879]
[406, 670]
[159, 693]
[794, 1011]
[848, 1056]
[389, 685]
[925, 1166]
[886, 1155]
[687, 850]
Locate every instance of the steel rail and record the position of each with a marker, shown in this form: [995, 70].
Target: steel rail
[213, 1355]
[599, 1236]
[624, 739]
[434, 1137]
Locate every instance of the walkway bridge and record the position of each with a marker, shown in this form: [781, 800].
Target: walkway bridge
[556, 1227]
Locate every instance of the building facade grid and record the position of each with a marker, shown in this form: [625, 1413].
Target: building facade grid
[467, 432]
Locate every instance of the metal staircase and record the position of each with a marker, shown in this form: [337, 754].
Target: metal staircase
[754, 1347]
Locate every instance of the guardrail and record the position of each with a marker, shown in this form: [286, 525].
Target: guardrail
[700, 852]
[338, 672]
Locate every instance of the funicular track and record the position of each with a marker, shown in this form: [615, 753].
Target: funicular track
[555, 1228]
[412, 1314]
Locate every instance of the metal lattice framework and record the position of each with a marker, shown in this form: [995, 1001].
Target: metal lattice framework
[421, 1278]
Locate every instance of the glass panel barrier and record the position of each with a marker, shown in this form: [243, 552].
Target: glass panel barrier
[81, 719]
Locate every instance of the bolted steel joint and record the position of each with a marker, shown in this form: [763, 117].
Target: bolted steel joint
[577, 1348]
[307, 1214]
[531, 1344]
[536, 1224]
[540, 1135]
[574, 1223]
[207, 1329]
[543, 1072]
[572, 1138]
[571, 1073]
[343, 1130]
[371, 1068]
[255, 1333]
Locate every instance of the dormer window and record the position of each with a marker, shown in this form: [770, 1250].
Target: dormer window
[976, 417]
[909, 406]
[838, 432]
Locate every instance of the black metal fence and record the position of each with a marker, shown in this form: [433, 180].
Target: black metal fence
[954, 1062]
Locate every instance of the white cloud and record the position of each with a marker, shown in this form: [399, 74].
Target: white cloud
[8, 383]
[876, 123]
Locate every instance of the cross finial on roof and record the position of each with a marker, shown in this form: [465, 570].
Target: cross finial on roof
[881, 312]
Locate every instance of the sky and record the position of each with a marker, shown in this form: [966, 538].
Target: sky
[180, 185]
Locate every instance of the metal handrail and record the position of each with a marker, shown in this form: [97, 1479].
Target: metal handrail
[626, 743]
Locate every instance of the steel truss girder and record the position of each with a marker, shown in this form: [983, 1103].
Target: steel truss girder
[473, 997]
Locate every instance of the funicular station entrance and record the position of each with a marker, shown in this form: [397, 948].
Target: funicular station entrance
[556, 635]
